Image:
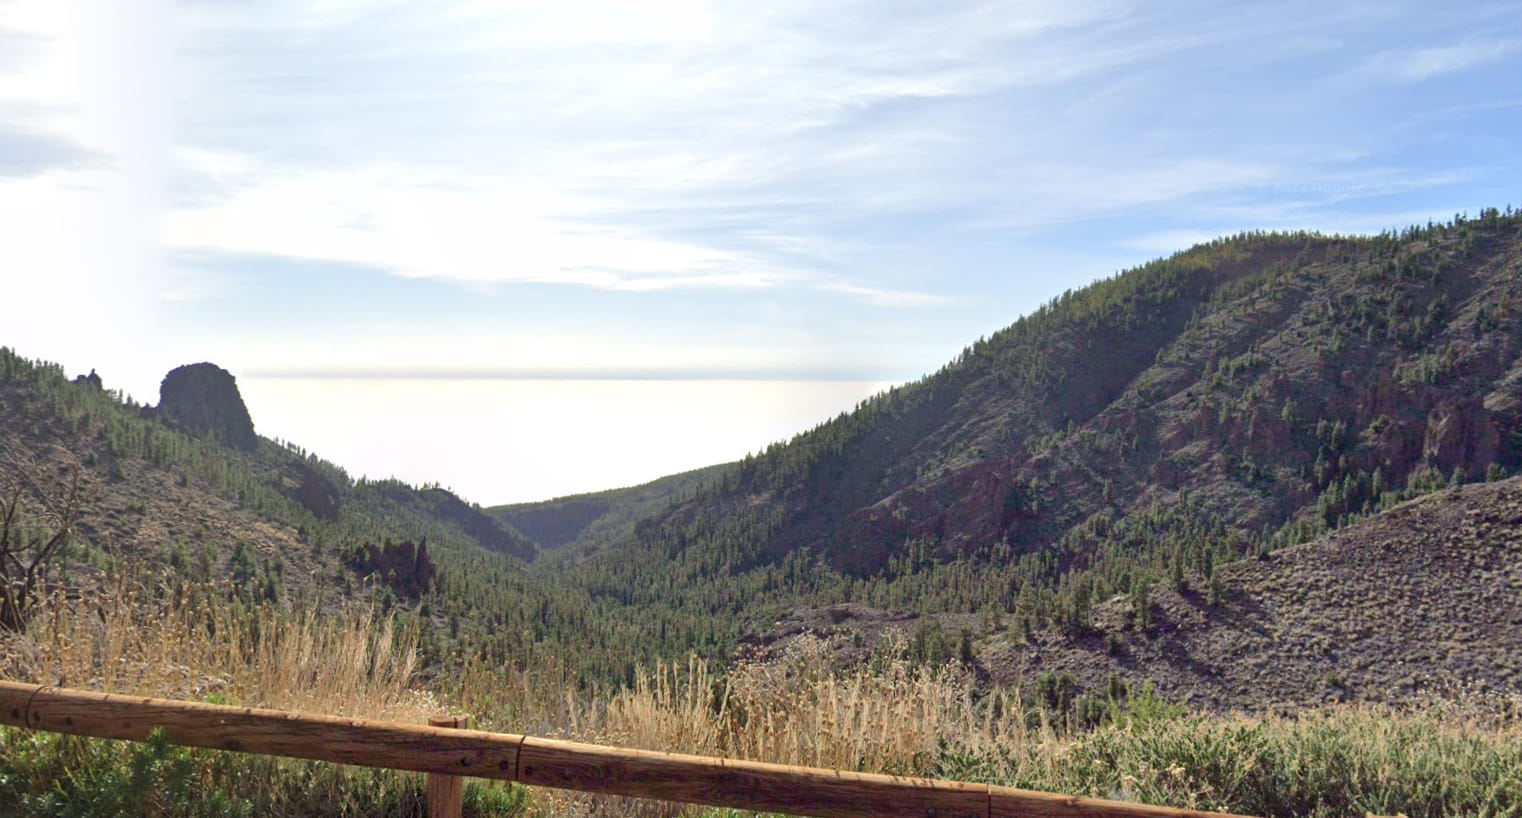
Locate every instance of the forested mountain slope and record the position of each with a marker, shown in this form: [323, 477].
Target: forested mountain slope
[1240, 396]
[163, 501]
[598, 518]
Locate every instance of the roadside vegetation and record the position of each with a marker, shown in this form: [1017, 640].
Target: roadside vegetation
[891, 714]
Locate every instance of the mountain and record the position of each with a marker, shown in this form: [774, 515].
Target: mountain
[189, 487]
[1236, 398]
[586, 521]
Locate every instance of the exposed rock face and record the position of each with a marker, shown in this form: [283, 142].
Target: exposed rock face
[203, 399]
[1460, 436]
[405, 567]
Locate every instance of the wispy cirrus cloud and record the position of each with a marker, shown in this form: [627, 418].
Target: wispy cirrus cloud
[882, 297]
[683, 188]
[28, 152]
[1418, 64]
[598, 146]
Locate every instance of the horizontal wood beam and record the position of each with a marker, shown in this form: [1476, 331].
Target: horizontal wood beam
[264, 732]
[542, 762]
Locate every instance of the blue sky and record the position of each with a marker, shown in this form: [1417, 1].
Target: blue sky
[800, 193]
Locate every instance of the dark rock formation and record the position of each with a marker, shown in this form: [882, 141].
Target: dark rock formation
[202, 399]
[91, 380]
[405, 567]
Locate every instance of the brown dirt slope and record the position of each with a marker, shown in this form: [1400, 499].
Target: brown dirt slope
[1425, 599]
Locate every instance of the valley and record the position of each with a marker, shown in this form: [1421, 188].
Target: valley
[1260, 478]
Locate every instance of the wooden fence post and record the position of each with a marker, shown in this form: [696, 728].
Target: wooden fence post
[446, 793]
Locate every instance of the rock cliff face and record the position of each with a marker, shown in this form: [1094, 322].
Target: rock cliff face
[203, 399]
[405, 567]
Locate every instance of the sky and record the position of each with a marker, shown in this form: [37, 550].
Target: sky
[523, 249]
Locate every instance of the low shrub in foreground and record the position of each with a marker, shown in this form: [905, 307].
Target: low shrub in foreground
[46, 774]
[1346, 762]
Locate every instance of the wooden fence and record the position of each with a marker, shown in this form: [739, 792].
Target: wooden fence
[449, 753]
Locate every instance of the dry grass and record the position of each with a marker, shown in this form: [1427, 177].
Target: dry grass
[890, 717]
[198, 644]
[885, 717]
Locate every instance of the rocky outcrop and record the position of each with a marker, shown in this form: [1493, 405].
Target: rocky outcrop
[91, 380]
[203, 400]
[406, 568]
[1460, 436]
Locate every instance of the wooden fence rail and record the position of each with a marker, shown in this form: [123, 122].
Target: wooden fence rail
[447, 751]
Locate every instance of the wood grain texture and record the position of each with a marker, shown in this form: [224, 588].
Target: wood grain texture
[743, 784]
[446, 793]
[14, 699]
[716, 782]
[277, 733]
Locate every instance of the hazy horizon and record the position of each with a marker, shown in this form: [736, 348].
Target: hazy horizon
[500, 436]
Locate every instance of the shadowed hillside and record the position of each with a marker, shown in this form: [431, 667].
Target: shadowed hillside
[1417, 601]
[163, 489]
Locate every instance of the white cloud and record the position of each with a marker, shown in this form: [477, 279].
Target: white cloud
[804, 152]
[1424, 63]
[607, 145]
[81, 247]
[469, 230]
[881, 297]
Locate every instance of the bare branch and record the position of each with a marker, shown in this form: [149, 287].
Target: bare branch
[30, 542]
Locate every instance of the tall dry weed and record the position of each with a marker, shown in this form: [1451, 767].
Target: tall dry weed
[890, 716]
[199, 643]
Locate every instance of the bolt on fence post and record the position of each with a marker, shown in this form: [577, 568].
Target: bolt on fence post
[446, 793]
